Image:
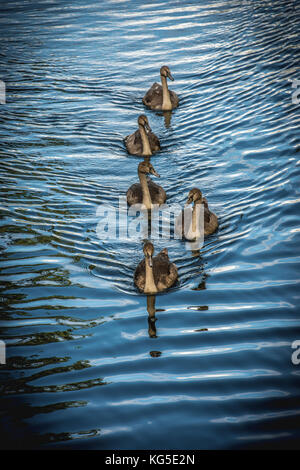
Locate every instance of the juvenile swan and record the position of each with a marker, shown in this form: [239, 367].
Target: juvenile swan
[155, 274]
[142, 142]
[189, 227]
[159, 97]
[146, 192]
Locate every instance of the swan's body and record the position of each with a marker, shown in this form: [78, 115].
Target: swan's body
[142, 142]
[146, 192]
[155, 274]
[159, 97]
[190, 228]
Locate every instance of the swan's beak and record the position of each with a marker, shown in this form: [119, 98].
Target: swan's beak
[170, 76]
[150, 261]
[153, 172]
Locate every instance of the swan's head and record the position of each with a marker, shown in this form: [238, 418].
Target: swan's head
[143, 121]
[195, 195]
[148, 252]
[166, 72]
[146, 167]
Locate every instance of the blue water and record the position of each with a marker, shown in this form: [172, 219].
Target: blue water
[84, 368]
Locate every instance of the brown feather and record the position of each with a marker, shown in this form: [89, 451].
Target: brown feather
[210, 221]
[135, 193]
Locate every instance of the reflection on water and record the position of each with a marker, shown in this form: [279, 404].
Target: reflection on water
[92, 363]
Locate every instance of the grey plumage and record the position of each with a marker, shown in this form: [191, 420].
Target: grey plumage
[154, 97]
[211, 223]
[135, 193]
[134, 143]
[165, 273]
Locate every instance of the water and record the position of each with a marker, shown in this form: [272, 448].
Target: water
[84, 369]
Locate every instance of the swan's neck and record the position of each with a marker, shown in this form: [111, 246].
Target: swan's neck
[145, 142]
[146, 193]
[150, 286]
[166, 104]
[196, 218]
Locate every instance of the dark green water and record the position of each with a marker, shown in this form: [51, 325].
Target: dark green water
[84, 369]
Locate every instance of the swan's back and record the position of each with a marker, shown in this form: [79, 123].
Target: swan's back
[134, 143]
[135, 193]
[154, 97]
[140, 275]
[164, 272]
[210, 220]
